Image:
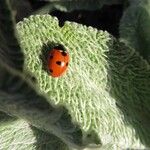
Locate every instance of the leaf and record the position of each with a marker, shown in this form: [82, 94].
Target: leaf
[18, 98]
[11, 53]
[65, 5]
[9, 46]
[135, 27]
[20, 135]
[106, 87]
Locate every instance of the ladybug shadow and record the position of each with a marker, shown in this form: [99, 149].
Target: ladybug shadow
[49, 141]
[46, 48]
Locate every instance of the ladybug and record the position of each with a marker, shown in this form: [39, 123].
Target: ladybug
[58, 60]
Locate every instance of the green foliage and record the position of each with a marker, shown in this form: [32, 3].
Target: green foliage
[135, 27]
[106, 88]
[107, 85]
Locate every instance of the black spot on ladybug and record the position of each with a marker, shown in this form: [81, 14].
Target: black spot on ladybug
[51, 57]
[58, 62]
[64, 53]
[67, 64]
[51, 71]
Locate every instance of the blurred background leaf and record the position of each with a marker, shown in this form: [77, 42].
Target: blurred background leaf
[21, 9]
[105, 15]
[135, 27]
[10, 51]
[67, 6]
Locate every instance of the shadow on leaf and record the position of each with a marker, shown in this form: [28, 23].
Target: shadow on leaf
[129, 82]
[45, 141]
[4, 118]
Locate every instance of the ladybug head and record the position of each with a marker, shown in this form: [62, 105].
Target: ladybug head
[60, 47]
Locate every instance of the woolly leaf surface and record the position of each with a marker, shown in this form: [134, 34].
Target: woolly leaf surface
[102, 73]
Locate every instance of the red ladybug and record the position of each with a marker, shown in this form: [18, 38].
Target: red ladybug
[57, 62]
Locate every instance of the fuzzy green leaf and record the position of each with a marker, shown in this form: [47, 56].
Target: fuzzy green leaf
[106, 87]
[135, 27]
